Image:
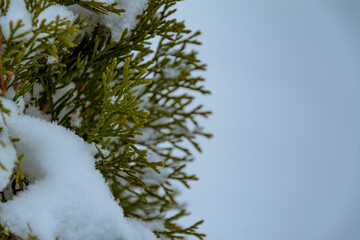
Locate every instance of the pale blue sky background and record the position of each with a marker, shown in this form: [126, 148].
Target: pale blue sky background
[285, 160]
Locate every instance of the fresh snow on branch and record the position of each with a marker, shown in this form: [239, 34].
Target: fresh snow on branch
[17, 11]
[116, 23]
[67, 197]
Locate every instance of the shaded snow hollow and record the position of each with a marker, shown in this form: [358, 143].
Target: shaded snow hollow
[68, 197]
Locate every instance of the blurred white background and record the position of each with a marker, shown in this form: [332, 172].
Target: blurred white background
[285, 160]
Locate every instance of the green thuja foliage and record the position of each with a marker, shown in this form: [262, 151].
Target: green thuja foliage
[133, 98]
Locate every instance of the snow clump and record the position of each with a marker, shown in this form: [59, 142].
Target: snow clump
[17, 11]
[67, 197]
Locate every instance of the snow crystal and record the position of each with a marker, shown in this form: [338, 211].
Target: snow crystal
[112, 99]
[17, 11]
[53, 11]
[51, 60]
[67, 197]
[116, 23]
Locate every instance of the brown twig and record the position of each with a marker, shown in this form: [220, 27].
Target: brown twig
[9, 76]
[43, 110]
[83, 86]
[86, 113]
[17, 85]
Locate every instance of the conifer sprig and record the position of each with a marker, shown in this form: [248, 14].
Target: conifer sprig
[133, 99]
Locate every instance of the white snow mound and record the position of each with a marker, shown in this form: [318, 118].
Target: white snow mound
[67, 198]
